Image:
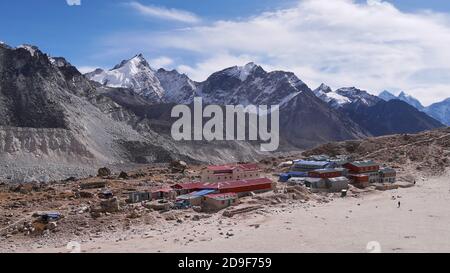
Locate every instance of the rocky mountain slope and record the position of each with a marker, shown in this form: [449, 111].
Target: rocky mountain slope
[391, 117]
[59, 124]
[305, 120]
[427, 152]
[354, 112]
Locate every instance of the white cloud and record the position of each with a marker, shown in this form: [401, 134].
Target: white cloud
[162, 61]
[165, 13]
[203, 69]
[73, 2]
[370, 45]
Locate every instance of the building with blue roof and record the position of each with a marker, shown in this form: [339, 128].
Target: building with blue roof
[284, 177]
[306, 166]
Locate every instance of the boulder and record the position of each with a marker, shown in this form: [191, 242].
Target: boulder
[71, 179]
[178, 166]
[110, 205]
[85, 194]
[52, 226]
[171, 217]
[102, 172]
[38, 227]
[123, 175]
[159, 206]
[134, 214]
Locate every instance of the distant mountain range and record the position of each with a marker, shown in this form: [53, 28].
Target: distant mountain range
[56, 117]
[305, 119]
[251, 84]
[440, 110]
[382, 115]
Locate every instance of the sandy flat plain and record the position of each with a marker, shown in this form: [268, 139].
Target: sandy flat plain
[371, 222]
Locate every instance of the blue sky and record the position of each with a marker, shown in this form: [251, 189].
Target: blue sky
[77, 31]
[198, 37]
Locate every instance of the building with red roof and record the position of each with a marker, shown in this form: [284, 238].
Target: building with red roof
[162, 193]
[230, 172]
[363, 168]
[240, 187]
[327, 173]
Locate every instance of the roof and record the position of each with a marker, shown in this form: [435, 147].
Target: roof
[244, 183]
[196, 185]
[222, 196]
[330, 170]
[245, 167]
[161, 190]
[296, 179]
[311, 163]
[186, 197]
[305, 179]
[338, 179]
[313, 180]
[220, 168]
[358, 175]
[249, 166]
[387, 170]
[224, 184]
[366, 163]
[319, 157]
[294, 174]
[222, 174]
[297, 173]
[202, 192]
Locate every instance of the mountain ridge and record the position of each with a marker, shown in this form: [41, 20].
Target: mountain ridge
[84, 124]
[438, 110]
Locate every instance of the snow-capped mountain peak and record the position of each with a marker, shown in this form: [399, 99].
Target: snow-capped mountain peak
[344, 96]
[30, 48]
[242, 72]
[134, 64]
[356, 95]
[323, 88]
[5, 45]
[326, 94]
[135, 74]
[387, 96]
[59, 61]
[178, 88]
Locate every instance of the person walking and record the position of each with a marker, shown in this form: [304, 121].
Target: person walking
[398, 204]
